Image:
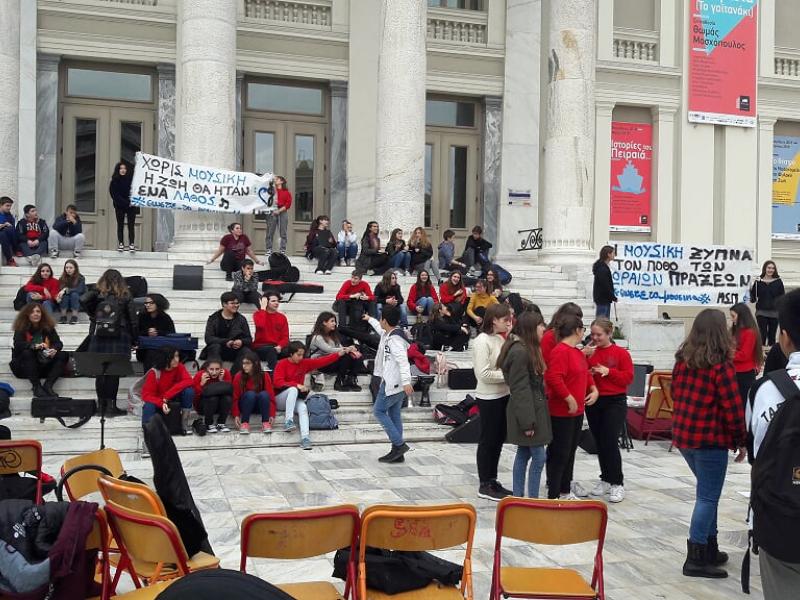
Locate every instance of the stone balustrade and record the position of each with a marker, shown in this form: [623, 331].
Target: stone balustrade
[635, 45]
[308, 13]
[136, 2]
[458, 26]
[787, 62]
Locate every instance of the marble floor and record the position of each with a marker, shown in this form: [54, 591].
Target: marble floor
[646, 537]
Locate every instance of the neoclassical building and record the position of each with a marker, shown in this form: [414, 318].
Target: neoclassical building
[442, 113]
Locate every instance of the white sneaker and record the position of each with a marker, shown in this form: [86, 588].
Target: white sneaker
[212, 429]
[328, 272]
[617, 493]
[569, 496]
[578, 490]
[53, 253]
[601, 489]
[342, 263]
[223, 428]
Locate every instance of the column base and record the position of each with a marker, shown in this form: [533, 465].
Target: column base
[200, 232]
[566, 256]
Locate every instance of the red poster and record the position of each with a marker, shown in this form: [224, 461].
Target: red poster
[631, 176]
[723, 53]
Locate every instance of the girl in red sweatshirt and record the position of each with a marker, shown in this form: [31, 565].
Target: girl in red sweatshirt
[252, 392]
[453, 293]
[612, 370]
[167, 381]
[43, 287]
[272, 330]
[213, 394]
[568, 387]
[749, 355]
[550, 339]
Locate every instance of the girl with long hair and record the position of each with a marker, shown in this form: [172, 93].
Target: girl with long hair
[72, 286]
[527, 418]
[252, 392]
[492, 397]
[36, 353]
[422, 296]
[766, 291]
[120, 190]
[167, 381]
[373, 257]
[603, 285]
[550, 339]
[325, 340]
[153, 321]
[279, 218]
[321, 244]
[399, 256]
[449, 332]
[707, 421]
[493, 285]
[422, 253]
[388, 293]
[749, 355]
[43, 287]
[479, 301]
[454, 294]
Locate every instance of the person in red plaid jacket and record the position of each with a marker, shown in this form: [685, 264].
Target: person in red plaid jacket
[708, 420]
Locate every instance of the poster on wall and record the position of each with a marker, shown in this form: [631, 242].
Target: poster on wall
[723, 55]
[681, 274]
[631, 165]
[786, 188]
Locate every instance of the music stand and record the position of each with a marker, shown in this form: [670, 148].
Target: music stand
[100, 365]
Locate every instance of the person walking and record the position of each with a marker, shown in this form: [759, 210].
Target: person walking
[707, 422]
[527, 418]
[765, 292]
[749, 355]
[612, 370]
[603, 286]
[37, 350]
[120, 191]
[492, 397]
[279, 218]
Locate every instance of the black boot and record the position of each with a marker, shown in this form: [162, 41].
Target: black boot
[352, 383]
[38, 390]
[340, 385]
[697, 565]
[48, 387]
[713, 554]
[396, 455]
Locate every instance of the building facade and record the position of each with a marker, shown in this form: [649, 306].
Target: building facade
[442, 113]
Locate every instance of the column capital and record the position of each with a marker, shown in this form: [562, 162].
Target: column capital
[604, 108]
[47, 62]
[165, 71]
[664, 113]
[766, 123]
[338, 88]
[493, 102]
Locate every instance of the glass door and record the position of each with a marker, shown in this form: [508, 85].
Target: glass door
[264, 143]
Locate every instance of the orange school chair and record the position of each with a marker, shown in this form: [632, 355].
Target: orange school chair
[20, 457]
[418, 528]
[551, 522]
[302, 534]
[655, 417]
[79, 474]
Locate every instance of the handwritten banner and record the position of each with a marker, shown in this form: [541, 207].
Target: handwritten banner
[631, 162]
[163, 183]
[651, 273]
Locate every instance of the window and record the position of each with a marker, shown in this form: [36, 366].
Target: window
[284, 98]
[463, 4]
[85, 164]
[265, 152]
[458, 186]
[111, 85]
[448, 113]
[428, 183]
[130, 140]
[304, 178]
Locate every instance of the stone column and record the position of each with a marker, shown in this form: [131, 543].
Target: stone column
[239, 120]
[569, 132]
[605, 30]
[668, 22]
[766, 40]
[9, 97]
[47, 132]
[165, 219]
[766, 137]
[206, 118]
[400, 147]
[492, 151]
[26, 190]
[663, 173]
[602, 168]
[338, 150]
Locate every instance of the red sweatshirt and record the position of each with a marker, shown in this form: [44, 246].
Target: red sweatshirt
[547, 344]
[272, 329]
[288, 374]
[413, 295]
[745, 348]
[166, 386]
[224, 375]
[448, 297]
[238, 391]
[620, 370]
[284, 198]
[51, 284]
[567, 374]
[348, 289]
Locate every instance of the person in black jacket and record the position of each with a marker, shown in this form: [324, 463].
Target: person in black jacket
[37, 354]
[476, 251]
[227, 334]
[448, 330]
[321, 244]
[32, 235]
[603, 287]
[67, 233]
[373, 257]
[387, 293]
[120, 190]
[765, 293]
[153, 321]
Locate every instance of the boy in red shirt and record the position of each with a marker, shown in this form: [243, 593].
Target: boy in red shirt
[214, 393]
[354, 299]
[167, 381]
[272, 330]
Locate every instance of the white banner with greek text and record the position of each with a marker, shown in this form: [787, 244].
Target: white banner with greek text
[164, 183]
[651, 273]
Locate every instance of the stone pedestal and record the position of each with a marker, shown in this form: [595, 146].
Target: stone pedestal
[205, 133]
[46, 133]
[9, 98]
[400, 154]
[569, 133]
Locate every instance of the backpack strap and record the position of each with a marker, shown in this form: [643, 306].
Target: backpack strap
[785, 384]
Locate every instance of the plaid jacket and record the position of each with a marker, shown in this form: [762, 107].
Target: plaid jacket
[707, 409]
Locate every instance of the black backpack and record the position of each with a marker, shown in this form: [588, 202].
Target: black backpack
[108, 318]
[280, 267]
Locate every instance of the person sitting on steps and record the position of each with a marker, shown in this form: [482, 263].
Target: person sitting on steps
[234, 247]
[479, 301]
[32, 236]
[227, 333]
[272, 330]
[325, 340]
[153, 322]
[253, 392]
[347, 245]
[354, 299]
[67, 233]
[399, 256]
[422, 296]
[213, 392]
[245, 284]
[387, 293]
[72, 286]
[321, 245]
[43, 287]
[8, 232]
[372, 258]
[476, 251]
[448, 331]
[36, 353]
[168, 381]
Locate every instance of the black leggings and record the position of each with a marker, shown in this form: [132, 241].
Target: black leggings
[326, 258]
[745, 381]
[561, 454]
[229, 262]
[493, 436]
[216, 405]
[768, 326]
[25, 365]
[606, 418]
[130, 213]
[345, 366]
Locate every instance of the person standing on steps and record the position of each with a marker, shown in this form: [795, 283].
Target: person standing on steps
[120, 190]
[168, 381]
[492, 394]
[707, 422]
[8, 232]
[234, 247]
[603, 286]
[279, 218]
[36, 353]
[766, 291]
[392, 366]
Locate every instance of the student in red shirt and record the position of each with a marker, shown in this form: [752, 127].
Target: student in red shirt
[289, 377]
[422, 296]
[43, 287]
[252, 392]
[213, 392]
[353, 300]
[550, 339]
[279, 218]
[707, 421]
[749, 356]
[569, 387]
[453, 293]
[272, 330]
[167, 381]
[612, 369]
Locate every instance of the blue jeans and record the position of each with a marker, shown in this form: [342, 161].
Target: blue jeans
[70, 301]
[401, 260]
[252, 401]
[709, 466]
[403, 314]
[186, 398]
[603, 310]
[387, 411]
[48, 305]
[347, 253]
[537, 457]
[8, 242]
[426, 303]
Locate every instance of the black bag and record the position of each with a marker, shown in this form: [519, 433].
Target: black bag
[173, 419]
[279, 264]
[187, 277]
[21, 299]
[386, 571]
[422, 334]
[108, 318]
[461, 379]
[291, 288]
[199, 426]
[467, 433]
[137, 286]
[63, 408]
[5, 405]
[586, 442]
[217, 388]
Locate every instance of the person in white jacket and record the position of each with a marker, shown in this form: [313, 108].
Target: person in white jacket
[492, 395]
[347, 245]
[392, 366]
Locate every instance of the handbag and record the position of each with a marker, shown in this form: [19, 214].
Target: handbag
[441, 367]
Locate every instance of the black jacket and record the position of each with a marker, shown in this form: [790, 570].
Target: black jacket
[420, 253]
[765, 295]
[120, 190]
[322, 238]
[91, 299]
[239, 330]
[162, 323]
[65, 228]
[39, 230]
[603, 288]
[481, 245]
[393, 292]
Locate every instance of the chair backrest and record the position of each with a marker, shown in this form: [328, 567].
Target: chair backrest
[147, 538]
[22, 456]
[84, 483]
[551, 522]
[658, 402]
[134, 496]
[638, 386]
